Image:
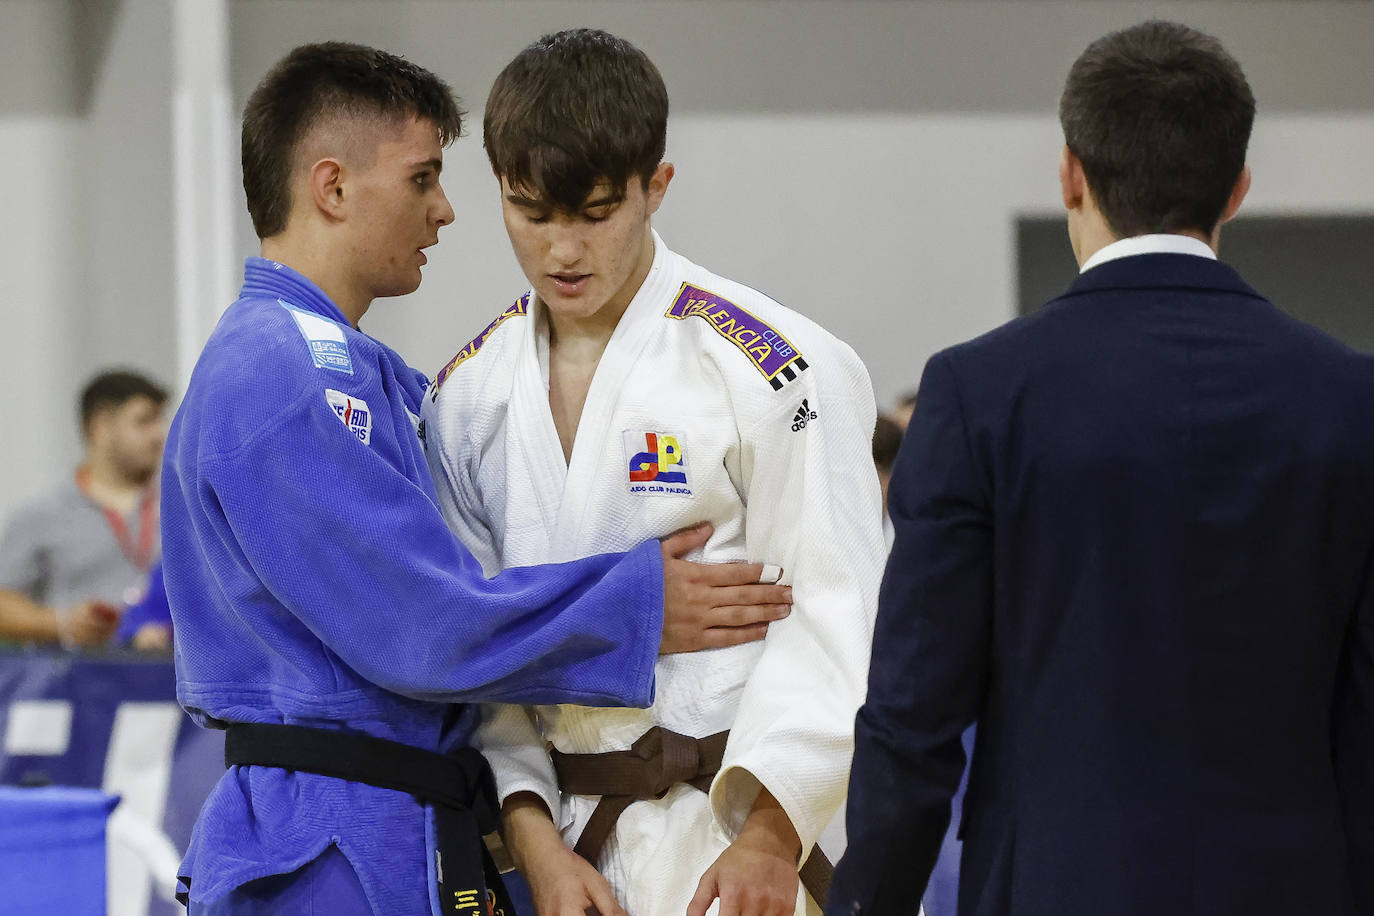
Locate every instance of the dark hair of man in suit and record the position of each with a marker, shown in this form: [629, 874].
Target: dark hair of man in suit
[318, 83]
[1160, 116]
[572, 110]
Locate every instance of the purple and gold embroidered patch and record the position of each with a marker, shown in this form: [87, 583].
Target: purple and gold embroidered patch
[520, 307]
[775, 358]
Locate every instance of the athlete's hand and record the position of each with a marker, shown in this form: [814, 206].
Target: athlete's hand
[707, 606]
[561, 882]
[153, 637]
[89, 623]
[757, 874]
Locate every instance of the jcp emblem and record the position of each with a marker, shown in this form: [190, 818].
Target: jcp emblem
[657, 464]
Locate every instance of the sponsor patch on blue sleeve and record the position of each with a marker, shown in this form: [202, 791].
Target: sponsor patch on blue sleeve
[354, 413]
[326, 340]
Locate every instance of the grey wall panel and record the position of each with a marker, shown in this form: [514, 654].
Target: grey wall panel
[1316, 268]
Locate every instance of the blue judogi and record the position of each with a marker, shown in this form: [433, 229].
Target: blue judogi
[313, 582]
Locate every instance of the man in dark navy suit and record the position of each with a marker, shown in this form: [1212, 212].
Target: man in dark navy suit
[1133, 542]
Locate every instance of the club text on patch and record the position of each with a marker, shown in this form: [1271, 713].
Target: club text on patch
[771, 353]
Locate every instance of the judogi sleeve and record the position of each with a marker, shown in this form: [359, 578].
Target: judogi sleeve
[356, 549]
[506, 735]
[814, 504]
[929, 662]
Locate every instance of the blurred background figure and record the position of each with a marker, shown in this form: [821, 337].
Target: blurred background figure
[887, 437]
[901, 414]
[147, 623]
[71, 559]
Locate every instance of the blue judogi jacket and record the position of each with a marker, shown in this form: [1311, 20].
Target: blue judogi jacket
[313, 582]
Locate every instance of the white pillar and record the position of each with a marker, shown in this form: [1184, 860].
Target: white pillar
[204, 150]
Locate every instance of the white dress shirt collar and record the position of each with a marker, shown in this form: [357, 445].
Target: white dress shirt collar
[1161, 243]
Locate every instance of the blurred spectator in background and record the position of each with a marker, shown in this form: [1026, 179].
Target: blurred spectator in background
[887, 437]
[901, 414]
[71, 559]
[147, 624]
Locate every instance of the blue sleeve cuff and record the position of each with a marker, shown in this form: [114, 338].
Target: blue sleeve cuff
[648, 558]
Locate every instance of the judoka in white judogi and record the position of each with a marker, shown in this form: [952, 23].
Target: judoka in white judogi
[711, 403]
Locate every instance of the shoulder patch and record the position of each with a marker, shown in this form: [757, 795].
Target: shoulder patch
[775, 358]
[520, 307]
[354, 413]
[328, 346]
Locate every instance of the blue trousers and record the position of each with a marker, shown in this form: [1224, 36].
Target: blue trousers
[325, 886]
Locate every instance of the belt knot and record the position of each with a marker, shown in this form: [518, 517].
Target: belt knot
[670, 758]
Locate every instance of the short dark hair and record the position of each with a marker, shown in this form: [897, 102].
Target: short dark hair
[113, 389]
[317, 81]
[1160, 116]
[572, 109]
[887, 438]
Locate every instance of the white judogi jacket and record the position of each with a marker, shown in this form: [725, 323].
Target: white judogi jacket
[711, 402]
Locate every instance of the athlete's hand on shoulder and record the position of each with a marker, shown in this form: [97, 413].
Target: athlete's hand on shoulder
[757, 874]
[707, 606]
[561, 882]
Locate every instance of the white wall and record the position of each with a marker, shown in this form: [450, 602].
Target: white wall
[38, 425]
[85, 149]
[895, 232]
[862, 160]
[40, 138]
[125, 314]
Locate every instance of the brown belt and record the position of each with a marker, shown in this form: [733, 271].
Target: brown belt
[659, 760]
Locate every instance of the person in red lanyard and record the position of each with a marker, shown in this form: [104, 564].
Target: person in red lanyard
[72, 558]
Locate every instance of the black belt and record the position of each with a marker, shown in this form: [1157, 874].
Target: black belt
[459, 786]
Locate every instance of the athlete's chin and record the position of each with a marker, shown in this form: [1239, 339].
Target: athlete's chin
[402, 286]
[563, 307]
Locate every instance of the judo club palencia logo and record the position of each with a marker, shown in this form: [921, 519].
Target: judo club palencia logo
[657, 464]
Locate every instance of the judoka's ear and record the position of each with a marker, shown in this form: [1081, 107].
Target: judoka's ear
[658, 186]
[327, 187]
[1071, 180]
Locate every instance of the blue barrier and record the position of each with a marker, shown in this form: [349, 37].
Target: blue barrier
[111, 723]
[52, 850]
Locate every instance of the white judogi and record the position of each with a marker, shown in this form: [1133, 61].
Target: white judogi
[711, 402]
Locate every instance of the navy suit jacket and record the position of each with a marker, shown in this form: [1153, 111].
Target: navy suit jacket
[1133, 542]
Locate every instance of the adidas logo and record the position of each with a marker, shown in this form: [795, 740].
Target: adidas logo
[804, 416]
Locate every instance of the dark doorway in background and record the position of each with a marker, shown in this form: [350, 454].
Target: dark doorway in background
[1317, 268]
